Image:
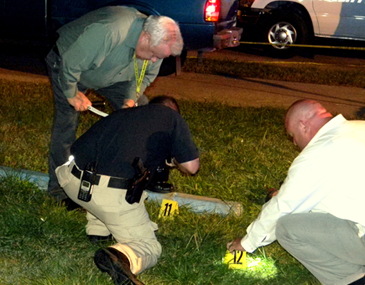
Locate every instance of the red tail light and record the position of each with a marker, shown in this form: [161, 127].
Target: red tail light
[212, 8]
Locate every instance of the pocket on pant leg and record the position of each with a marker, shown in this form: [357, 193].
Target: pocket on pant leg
[139, 234]
[106, 205]
[144, 231]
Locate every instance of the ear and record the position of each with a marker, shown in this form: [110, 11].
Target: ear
[304, 126]
[146, 37]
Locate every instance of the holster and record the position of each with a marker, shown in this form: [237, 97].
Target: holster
[140, 182]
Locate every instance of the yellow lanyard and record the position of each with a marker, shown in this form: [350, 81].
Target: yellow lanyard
[139, 78]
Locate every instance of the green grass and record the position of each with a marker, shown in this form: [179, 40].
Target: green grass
[244, 151]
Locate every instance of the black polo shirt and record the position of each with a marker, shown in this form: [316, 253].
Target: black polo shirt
[152, 132]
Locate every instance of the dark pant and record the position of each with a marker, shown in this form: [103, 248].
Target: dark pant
[65, 120]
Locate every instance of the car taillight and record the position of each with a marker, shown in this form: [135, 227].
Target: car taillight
[212, 8]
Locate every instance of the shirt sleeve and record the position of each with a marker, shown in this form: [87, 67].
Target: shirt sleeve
[184, 148]
[305, 186]
[86, 53]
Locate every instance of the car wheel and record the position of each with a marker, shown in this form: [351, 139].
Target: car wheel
[168, 65]
[281, 33]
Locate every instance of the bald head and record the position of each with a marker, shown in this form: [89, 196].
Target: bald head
[303, 120]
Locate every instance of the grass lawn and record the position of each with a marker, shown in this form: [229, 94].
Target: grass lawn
[335, 75]
[244, 151]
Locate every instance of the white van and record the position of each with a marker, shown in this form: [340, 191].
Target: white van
[281, 23]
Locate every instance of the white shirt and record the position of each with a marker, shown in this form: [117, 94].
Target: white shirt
[328, 176]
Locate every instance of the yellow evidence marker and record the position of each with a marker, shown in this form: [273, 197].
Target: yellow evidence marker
[235, 260]
[169, 208]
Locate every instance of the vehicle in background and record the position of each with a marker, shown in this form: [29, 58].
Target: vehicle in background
[206, 25]
[281, 23]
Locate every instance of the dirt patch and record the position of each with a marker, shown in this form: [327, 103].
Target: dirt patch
[22, 76]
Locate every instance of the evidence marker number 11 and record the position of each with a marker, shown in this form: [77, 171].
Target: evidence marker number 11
[169, 208]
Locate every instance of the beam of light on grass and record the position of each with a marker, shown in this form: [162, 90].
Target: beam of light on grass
[260, 267]
[263, 266]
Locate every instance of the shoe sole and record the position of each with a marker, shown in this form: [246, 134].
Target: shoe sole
[108, 262]
[105, 263]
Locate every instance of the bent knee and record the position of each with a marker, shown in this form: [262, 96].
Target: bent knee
[282, 225]
[290, 226]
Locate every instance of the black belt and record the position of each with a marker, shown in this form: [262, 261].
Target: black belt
[114, 182]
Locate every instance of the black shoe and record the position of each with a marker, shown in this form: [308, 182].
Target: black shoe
[360, 281]
[96, 239]
[57, 193]
[161, 187]
[70, 205]
[116, 264]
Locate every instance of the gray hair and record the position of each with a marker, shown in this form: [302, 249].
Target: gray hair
[163, 29]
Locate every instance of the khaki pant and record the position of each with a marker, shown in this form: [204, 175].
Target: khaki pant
[109, 213]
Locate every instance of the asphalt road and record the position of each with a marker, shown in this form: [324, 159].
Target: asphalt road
[330, 54]
[26, 63]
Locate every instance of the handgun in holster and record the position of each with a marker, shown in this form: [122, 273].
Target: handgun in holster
[140, 181]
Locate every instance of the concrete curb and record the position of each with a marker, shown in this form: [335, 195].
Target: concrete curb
[197, 204]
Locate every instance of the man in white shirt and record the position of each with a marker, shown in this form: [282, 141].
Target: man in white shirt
[318, 215]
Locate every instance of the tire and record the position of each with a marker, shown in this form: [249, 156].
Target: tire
[168, 65]
[283, 31]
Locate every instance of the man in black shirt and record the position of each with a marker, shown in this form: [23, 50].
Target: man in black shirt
[107, 151]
